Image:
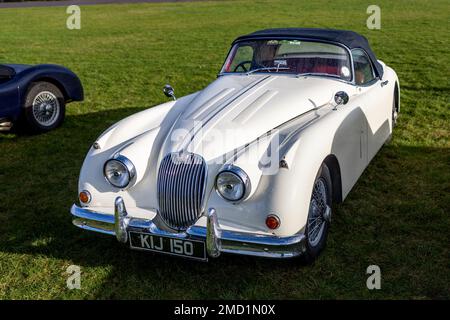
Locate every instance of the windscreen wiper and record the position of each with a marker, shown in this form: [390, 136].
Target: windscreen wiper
[267, 69]
[317, 74]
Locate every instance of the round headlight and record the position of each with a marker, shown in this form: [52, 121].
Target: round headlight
[233, 184]
[119, 171]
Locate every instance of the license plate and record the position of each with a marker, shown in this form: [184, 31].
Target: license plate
[193, 249]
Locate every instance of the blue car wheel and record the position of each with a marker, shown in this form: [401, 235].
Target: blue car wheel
[44, 107]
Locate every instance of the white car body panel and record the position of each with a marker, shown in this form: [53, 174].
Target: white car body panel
[245, 107]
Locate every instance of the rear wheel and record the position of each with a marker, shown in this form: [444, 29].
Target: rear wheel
[44, 107]
[319, 215]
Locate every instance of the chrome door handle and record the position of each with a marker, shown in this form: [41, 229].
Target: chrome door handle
[384, 83]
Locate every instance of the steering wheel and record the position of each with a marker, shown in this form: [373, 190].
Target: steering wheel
[242, 65]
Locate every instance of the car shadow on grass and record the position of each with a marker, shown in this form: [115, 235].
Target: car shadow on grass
[42, 174]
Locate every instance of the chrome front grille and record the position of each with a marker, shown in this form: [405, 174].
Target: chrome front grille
[181, 184]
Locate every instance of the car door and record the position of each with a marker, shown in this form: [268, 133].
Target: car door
[9, 95]
[373, 102]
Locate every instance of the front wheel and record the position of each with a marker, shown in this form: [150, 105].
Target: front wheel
[394, 112]
[394, 117]
[319, 215]
[44, 107]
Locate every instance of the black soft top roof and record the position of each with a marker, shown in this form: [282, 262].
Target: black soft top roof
[350, 39]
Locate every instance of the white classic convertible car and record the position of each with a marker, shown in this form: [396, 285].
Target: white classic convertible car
[253, 163]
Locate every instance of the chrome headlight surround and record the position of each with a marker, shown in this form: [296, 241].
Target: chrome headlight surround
[128, 168]
[241, 176]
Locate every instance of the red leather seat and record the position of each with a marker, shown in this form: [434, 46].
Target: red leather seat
[314, 65]
[326, 69]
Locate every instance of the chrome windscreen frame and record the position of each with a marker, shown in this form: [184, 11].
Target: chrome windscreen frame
[347, 49]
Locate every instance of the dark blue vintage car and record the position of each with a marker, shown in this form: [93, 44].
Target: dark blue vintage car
[35, 97]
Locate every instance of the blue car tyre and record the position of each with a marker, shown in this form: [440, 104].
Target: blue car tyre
[44, 107]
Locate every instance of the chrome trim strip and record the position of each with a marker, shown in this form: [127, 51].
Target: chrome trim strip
[92, 225]
[217, 240]
[84, 213]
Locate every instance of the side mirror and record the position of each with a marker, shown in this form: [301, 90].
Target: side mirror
[169, 92]
[341, 97]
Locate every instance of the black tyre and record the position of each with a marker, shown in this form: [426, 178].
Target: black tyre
[319, 216]
[44, 107]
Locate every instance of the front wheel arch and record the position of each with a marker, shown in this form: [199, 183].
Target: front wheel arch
[335, 171]
[397, 97]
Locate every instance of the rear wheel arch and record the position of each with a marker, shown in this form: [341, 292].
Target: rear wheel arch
[53, 81]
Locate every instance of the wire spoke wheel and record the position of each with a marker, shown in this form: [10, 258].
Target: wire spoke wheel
[317, 212]
[46, 108]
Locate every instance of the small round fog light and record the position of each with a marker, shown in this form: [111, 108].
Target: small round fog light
[272, 222]
[84, 196]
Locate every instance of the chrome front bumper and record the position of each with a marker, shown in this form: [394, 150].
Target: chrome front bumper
[217, 240]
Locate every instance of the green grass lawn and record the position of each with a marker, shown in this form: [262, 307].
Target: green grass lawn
[397, 216]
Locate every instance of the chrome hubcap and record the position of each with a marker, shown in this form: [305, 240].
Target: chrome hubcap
[319, 212]
[46, 108]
